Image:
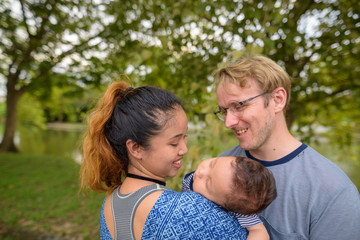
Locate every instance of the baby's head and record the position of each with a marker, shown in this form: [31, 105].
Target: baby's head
[238, 184]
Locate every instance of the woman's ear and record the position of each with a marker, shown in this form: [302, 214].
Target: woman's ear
[134, 149]
[279, 97]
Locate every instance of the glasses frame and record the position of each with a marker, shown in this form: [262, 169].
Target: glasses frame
[224, 110]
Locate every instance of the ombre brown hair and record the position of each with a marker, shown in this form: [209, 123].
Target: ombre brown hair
[267, 74]
[253, 188]
[123, 113]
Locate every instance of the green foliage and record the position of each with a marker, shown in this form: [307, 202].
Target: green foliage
[69, 103]
[31, 113]
[37, 38]
[2, 110]
[179, 50]
[178, 44]
[45, 44]
[317, 43]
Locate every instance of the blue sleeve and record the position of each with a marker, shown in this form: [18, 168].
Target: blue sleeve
[187, 182]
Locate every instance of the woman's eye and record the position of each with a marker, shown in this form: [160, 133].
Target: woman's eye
[174, 144]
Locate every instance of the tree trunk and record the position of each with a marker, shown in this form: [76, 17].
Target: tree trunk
[12, 98]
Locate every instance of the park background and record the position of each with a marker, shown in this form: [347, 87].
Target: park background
[58, 56]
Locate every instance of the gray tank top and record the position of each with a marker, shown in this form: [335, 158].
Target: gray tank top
[124, 206]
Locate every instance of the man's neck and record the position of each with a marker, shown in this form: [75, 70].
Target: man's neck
[280, 145]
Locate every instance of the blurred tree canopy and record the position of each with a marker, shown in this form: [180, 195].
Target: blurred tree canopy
[43, 44]
[178, 44]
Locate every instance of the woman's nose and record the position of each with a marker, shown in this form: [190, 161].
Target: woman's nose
[183, 149]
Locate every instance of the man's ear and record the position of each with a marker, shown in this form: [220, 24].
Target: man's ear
[134, 149]
[279, 97]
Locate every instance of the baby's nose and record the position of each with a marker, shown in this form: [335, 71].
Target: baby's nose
[198, 172]
[201, 171]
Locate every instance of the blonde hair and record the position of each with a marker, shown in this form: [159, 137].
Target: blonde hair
[267, 74]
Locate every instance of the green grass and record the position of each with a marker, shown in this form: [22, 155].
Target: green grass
[41, 193]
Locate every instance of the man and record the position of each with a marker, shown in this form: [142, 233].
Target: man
[316, 200]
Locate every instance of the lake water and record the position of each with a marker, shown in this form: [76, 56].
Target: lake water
[66, 142]
[59, 142]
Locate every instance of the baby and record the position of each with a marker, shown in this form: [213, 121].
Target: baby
[238, 184]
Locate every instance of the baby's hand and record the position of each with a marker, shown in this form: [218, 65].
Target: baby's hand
[258, 232]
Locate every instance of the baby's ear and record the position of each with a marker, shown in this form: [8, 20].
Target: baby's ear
[134, 149]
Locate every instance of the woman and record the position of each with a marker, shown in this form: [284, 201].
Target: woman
[136, 138]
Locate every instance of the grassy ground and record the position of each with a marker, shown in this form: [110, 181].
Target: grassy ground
[41, 193]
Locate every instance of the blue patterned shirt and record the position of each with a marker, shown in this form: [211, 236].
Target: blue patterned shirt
[244, 220]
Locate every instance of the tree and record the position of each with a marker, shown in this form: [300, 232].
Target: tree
[177, 45]
[42, 42]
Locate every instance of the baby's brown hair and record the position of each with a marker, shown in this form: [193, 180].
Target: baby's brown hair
[253, 187]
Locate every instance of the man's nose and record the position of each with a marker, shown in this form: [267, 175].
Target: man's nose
[230, 120]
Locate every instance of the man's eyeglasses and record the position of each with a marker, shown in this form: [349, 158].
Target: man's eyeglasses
[235, 108]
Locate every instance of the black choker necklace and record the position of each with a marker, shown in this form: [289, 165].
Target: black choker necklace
[130, 175]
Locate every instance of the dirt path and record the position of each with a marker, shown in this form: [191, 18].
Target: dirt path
[17, 233]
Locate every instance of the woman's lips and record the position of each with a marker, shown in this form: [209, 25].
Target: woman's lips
[177, 163]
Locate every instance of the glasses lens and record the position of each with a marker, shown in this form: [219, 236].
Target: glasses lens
[220, 114]
[236, 108]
